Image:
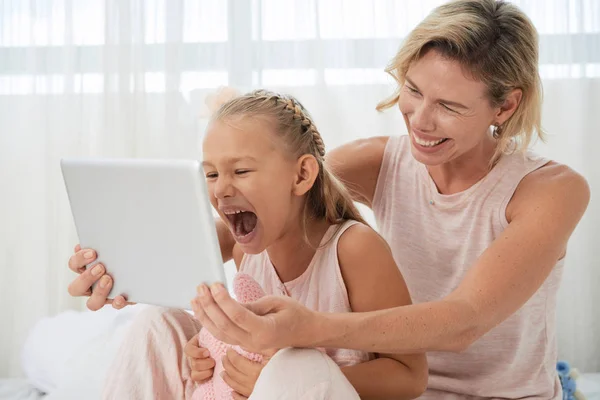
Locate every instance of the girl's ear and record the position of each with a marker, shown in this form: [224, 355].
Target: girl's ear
[307, 170]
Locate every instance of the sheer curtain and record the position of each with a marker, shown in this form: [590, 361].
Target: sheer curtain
[128, 78]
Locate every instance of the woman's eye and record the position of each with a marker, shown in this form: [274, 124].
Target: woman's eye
[412, 90]
[447, 108]
[211, 175]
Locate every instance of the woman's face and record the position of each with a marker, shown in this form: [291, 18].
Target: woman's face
[447, 113]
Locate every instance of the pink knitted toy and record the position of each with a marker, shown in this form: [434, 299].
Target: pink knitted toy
[246, 290]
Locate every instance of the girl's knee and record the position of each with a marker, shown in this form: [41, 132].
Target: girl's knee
[316, 376]
[295, 355]
[297, 359]
[155, 318]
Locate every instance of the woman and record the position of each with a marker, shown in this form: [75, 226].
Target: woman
[478, 225]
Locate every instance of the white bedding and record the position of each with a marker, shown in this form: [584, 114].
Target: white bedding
[67, 357]
[589, 384]
[18, 389]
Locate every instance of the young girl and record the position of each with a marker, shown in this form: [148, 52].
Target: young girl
[290, 225]
[297, 231]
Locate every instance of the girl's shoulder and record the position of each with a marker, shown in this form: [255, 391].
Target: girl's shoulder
[354, 235]
[369, 271]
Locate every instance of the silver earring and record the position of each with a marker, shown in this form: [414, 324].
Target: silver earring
[497, 131]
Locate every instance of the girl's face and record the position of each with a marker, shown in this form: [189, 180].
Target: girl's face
[447, 113]
[251, 181]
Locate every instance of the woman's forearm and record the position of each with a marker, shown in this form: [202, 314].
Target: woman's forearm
[436, 326]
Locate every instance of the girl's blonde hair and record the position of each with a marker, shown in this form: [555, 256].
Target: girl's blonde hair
[496, 43]
[328, 198]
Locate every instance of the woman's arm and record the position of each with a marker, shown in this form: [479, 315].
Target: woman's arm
[374, 282]
[357, 165]
[542, 216]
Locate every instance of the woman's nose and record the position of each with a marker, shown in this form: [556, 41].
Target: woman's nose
[422, 118]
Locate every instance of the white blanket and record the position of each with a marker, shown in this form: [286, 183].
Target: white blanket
[18, 389]
[67, 356]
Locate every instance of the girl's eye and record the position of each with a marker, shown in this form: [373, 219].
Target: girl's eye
[241, 171]
[412, 90]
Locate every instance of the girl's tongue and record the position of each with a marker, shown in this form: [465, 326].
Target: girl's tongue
[244, 223]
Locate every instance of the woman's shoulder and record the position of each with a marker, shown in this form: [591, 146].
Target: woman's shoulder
[552, 177]
[358, 153]
[371, 145]
[357, 164]
[554, 170]
[553, 183]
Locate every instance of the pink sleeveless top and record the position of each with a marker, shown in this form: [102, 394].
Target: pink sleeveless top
[321, 287]
[435, 238]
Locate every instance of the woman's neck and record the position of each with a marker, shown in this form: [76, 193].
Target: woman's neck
[291, 254]
[463, 172]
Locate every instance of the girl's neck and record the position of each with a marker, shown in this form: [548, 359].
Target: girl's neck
[291, 254]
[465, 171]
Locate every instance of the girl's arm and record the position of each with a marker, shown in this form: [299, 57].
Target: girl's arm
[374, 282]
[226, 240]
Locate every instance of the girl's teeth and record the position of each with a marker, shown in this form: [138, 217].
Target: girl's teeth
[233, 212]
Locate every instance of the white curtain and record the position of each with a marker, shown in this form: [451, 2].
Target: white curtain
[128, 78]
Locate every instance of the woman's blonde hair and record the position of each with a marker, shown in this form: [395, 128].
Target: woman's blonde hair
[497, 44]
[328, 198]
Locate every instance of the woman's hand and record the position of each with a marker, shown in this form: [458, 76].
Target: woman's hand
[241, 373]
[82, 284]
[201, 363]
[273, 322]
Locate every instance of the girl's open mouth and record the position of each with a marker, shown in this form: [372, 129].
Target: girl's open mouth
[242, 223]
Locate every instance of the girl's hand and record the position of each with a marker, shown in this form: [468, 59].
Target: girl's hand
[241, 373]
[201, 363]
[82, 284]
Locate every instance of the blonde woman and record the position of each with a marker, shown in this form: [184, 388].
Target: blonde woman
[477, 224]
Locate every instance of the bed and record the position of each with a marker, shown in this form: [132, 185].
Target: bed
[65, 357]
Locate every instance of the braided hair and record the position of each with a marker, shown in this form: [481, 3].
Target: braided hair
[328, 198]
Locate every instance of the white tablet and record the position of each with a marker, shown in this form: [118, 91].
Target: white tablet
[150, 222]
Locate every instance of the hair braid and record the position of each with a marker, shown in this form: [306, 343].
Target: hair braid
[299, 114]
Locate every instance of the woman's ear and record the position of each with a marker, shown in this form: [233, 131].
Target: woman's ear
[307, 170]
[508, 108]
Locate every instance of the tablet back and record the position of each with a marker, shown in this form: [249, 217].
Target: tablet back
[150, 222]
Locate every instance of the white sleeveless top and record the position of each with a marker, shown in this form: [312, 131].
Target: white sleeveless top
[320, 288]
[435, 239]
